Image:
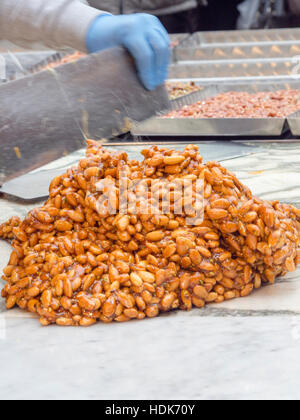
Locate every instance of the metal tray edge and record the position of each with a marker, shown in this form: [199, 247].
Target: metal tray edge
[156, 126]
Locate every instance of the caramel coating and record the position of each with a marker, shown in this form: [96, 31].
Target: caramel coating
[74, 263]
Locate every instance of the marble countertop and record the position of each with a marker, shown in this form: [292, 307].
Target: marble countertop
[243, 349]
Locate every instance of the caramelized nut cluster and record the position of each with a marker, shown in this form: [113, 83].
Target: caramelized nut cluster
[74, 262]
[6, 229]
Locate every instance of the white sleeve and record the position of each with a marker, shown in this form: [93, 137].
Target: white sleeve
[54, 23]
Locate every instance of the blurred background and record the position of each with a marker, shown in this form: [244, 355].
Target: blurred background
[188, 16]
[211, 15]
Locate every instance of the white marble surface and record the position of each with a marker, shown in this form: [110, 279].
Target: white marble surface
[183, 356]
[242, 349]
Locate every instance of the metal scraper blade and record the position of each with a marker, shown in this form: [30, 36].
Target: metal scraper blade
[20, 64]
[32, 186]
[50, 114]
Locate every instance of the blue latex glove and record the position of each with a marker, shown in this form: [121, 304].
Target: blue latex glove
[144, 37]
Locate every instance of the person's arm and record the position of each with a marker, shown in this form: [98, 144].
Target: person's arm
[71, 23]
[54, 23]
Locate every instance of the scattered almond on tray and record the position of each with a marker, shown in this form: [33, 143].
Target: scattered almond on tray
[278, 104]
[176, 90]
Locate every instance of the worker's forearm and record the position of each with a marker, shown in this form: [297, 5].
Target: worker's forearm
[54, 23]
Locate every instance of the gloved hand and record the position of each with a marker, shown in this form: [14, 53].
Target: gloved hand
[144, 37]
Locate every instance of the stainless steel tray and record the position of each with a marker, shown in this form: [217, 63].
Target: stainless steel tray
[248, 36]
[178, 39]
[209, 81]
[252, 85]
[294, 123]
[51, 59]
[209, 127]
[237, 52]
[216, 126]
[230, 69]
